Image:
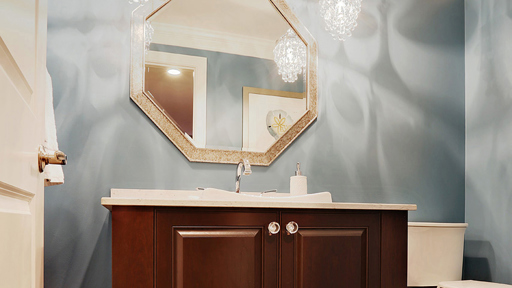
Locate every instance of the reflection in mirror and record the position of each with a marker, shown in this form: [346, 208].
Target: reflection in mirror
[177, 84]
[230, 94]
[173, 90]
[277, 109]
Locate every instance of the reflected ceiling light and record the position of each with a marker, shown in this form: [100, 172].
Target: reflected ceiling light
[340, 17]
[174, 71]
[140, 2]
[148, 35]
[290, 56]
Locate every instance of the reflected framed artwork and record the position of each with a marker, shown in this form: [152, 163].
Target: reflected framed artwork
[267, 115]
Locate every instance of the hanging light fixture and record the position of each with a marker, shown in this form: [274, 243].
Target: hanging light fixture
[290, 56]
[174, 72]
[340, 17]
[148, 35]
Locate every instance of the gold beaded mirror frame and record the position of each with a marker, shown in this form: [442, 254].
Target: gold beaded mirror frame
[171, 129]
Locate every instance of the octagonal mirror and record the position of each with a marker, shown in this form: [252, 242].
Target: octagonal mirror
[224, 80]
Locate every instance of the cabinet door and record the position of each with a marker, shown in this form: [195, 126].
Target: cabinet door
[331, 250]
[207, 248]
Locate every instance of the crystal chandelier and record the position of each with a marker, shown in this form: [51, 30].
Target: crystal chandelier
[148, 35]
[340, 16]
[290, 56]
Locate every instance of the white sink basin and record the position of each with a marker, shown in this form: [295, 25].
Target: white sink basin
[212, 194]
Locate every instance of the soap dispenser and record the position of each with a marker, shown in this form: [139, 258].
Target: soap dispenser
[298, 183]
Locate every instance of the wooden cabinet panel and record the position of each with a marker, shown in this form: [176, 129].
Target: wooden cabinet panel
[331, 250]
[394, 249]
[132, 246]
[197, 249]
[229, 257]
[329, 256]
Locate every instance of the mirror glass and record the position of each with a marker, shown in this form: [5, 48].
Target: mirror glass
[229, 73]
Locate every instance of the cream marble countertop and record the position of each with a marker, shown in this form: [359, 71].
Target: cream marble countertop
[183, 198]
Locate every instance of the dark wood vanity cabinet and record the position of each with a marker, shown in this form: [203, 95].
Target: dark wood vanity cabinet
[232, 248]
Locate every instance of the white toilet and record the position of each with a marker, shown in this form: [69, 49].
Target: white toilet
[435, 256]
[435, 253]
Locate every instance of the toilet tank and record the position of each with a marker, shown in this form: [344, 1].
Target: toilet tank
[435, 253]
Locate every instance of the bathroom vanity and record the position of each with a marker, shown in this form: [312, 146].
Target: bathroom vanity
[189, 239]
[190, 243]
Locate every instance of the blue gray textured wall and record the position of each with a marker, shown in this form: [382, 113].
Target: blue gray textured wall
[488, 249]
[390, 126]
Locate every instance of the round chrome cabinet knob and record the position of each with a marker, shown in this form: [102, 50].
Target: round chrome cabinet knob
[273, 228]
[292, 227]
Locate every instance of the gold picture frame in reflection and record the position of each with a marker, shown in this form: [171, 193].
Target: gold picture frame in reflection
[268, 115]
[198, 153]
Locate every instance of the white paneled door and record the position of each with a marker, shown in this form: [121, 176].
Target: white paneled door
[22, 88]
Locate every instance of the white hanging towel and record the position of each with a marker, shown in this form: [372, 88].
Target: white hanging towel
[53, 174]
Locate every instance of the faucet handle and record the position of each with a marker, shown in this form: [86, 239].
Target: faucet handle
[268, 191]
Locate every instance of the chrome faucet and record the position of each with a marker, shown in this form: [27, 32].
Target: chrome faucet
[244, 163]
